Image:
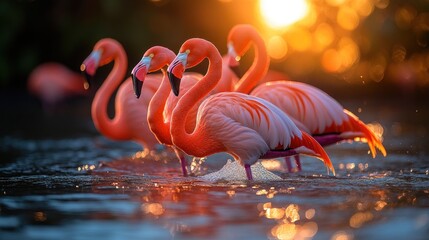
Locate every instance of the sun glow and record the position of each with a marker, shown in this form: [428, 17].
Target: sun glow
[281, 13]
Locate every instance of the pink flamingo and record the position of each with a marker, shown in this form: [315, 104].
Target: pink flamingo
[311, 109]
[130, 120]
[53, 82]
[161, 105]
[247, 127]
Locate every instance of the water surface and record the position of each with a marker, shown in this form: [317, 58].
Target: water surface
[61, 180]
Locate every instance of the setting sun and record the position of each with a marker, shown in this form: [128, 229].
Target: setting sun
[280, 13]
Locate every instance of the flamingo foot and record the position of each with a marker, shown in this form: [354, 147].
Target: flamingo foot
[248, 171]
[288, 164]
[298, 163]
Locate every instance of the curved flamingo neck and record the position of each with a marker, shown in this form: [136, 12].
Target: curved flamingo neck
[107, 126]
[259, 67]
[196, 142]
[157, 124]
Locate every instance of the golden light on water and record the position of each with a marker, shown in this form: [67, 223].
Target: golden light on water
[280, 13]
[309, 214]
[86, 167]
[40, 216]
[155, 209]
[274, 213]
[379, 205]
[342, 235]
[284, 231]
[292, 213]
[360, 218]
[288, 225]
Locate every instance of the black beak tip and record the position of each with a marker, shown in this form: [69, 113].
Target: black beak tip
[137, 85]
[175, 83]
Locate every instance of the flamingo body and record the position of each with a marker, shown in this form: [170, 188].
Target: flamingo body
[244, 126]
[53, 82]
[248, 127]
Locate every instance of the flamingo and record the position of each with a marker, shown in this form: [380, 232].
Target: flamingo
[53, 82]
[161, 104]
[309, 107]
[246, 127]
[130, 120]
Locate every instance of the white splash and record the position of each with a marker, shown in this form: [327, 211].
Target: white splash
[234, 171]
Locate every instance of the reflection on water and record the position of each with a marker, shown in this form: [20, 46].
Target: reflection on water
[87, 187]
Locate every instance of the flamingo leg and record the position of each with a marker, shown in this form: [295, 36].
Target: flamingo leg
[298, 162]
[248, 171]
[182, 160]
[183, 163]
[288, 164]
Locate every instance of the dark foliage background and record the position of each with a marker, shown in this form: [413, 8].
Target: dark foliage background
[33, 32]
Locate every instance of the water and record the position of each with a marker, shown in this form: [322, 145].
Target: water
[61, 180]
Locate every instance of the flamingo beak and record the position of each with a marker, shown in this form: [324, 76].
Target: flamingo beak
[139, 72]
[138, 75]
[233, 60]
[174, 82]
[89, 67]
[175, 72]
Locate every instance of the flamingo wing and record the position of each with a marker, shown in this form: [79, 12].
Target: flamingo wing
[248, 127]
[317, 111]
[305, 103]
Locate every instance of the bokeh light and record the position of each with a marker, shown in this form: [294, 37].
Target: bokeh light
[277, 47]
[334, 35]
[347, 18]
[280, 13]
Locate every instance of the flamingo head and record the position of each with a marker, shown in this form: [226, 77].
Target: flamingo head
[192, 52]
[239, 41]
[89, 67]
[233, 60]
[240, 38]
[153, 60]
[105, 50]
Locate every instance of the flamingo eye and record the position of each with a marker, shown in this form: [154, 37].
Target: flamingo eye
[187, 51]
[151, 55]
